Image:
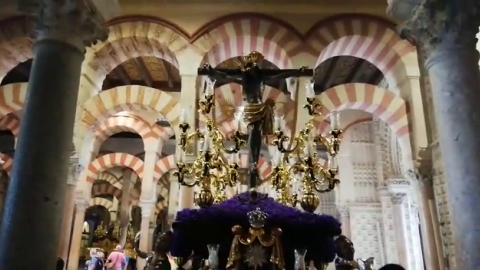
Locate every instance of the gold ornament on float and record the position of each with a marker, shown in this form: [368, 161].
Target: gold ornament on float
[209, 170]
[301, 162]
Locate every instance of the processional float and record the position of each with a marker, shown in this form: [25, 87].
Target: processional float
[252, 230]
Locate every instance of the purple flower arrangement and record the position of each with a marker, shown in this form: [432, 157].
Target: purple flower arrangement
[195, 228]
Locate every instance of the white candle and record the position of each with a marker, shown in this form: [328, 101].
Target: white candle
[234, 158]
[182, 157]
[278, 122]
[239, 118]
[332, 163]
[310, 90]
[183, 116]
[312, 149]
[335, 120]
[206, 141]
[210, 86]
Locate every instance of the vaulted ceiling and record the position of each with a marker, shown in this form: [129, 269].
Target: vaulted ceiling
[147, 71]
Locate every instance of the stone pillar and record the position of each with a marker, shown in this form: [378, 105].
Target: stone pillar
[68, 210]
[173, 200]
[401, 233]
[35, 201]
[446, 33]
[189, 102]
[345, 220]
[428, 222]
[75, 244]
[148, 209]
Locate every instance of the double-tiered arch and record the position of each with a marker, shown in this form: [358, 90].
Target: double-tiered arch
[129, 98]
[368, 38]
[240, 34]
[109, 161]
[384, 104]
[130, 39]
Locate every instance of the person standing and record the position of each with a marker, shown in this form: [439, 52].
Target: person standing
[116, 260]
[96, 261]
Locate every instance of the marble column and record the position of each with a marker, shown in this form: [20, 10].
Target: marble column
[400, 227]
[68, 210]
[189, 102]
[35, 199]
[446, 34]
[148, 209]
[75, 244]
[428, 223]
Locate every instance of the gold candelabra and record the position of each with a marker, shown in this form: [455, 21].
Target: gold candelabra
[210, 170]
[301, 161]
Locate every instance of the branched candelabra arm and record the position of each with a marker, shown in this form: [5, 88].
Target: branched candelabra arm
[219, 141]
[185, 138]
[231, 177]
[184, 170]
[206, 104]
[281, 182]
[328, 178]
[281, 139]
[238, 143]
[313, 107]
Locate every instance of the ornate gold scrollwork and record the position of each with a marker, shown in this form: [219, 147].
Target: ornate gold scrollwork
[302, 161]
[210, 171]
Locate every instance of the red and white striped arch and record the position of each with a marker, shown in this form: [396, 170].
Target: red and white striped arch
[110, 178]
[7, 163]
[228, 97]
[108, 161]
[129, 98]
[380, 102]
[129, 40]
[101, 202]
[368, 39]
[12, 123]
[12, 98]
[118, 124]
[161, 134]
[164, 165]
[16, 43]
[99, 189]
[238, 37]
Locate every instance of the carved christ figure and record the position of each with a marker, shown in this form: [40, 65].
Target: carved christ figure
[258, 115]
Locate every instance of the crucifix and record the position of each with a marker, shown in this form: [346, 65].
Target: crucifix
[258, 115]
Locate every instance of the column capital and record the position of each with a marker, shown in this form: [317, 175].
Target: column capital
[75, 22]
[434, 24]
[148, 208]
[398, 198]
[74, 171]
[81, 205]
[398, 185]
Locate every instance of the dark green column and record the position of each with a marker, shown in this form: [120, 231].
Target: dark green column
[31, 225]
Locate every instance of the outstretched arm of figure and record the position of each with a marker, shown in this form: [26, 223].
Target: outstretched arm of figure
[286, 74]
[216, 74]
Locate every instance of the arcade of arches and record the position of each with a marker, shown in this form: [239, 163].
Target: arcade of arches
[394, 202]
